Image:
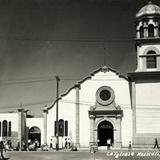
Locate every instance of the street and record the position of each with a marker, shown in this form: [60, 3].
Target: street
[85, 155]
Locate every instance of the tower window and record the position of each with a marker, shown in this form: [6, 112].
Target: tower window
[151, 30]
[141, 32]
[151, 59]
[159, 28]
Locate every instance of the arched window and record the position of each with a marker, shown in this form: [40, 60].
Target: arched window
[9, 132]
[150, 30]
[151, 60]
[61, 127]
[34, 130]
[141, 31]
[4, 128]
[66, 128]
[34, 134]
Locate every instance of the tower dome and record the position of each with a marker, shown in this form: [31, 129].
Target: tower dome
[148, 38]
[149, 9]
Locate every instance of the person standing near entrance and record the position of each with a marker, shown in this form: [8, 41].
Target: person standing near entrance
[51, 144]
[130, 145]
[108, 144]
[156, 143]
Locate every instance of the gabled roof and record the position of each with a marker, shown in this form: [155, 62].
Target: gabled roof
[78, 84]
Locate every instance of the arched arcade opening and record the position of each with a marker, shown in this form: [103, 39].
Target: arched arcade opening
[34, 134]
[105, 131]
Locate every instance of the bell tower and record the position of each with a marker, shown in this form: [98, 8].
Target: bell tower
[145, 81]
[148, 38]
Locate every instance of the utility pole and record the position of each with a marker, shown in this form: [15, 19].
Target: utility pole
[57, 122]
[104, 56]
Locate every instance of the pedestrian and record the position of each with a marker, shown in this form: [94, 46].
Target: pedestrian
[18, 146]
[24, 147]
[156, 143]
[51, 144]
[69, 143]
[2, 148]
[36, 144]
[66, 143]
[130, 145]
[108, 144]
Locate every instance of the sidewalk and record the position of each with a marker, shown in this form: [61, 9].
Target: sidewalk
[104, 149]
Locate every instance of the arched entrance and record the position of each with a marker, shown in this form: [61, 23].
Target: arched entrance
[35, 134]
[105, 131]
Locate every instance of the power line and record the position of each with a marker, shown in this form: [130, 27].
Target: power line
[83, 103]
[26, 104]
[124, 105]
[123, 39]
[23, 82]
[42, 77]
[11, 82]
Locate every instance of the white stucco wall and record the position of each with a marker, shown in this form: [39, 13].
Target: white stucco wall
[122, 98]
[13, 117]
[87, 96]
[148, 107]
[66, 112]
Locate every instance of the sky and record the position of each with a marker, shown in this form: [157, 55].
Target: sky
[40, 39]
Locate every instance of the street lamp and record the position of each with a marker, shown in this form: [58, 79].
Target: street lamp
[57, 123]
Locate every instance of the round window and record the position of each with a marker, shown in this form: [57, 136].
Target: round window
[105, 95]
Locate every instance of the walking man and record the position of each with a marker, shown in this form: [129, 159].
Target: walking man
[156, 143]
[2, 147]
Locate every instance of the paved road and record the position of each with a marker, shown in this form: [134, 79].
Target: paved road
[84, 155]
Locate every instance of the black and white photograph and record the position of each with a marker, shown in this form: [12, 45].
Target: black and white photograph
[80, 79]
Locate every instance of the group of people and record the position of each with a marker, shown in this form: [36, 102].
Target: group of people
[65, 144]
[109, 144]
[33, 145]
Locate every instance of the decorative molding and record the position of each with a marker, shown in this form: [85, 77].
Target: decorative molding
[78, 84]
[107, 101]
[151, 48]
[144, 76]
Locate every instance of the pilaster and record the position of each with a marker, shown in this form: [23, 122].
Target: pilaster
[133, 96]
[20, 124]
[145, 30]
[77, 116]
[92, 130]
[45, 111]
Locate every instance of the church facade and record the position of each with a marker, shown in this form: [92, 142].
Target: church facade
[105, 104]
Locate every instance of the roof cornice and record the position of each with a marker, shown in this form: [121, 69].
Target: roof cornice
[78, 84]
